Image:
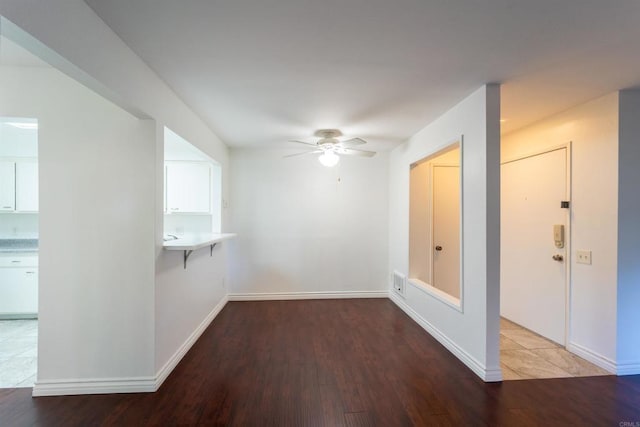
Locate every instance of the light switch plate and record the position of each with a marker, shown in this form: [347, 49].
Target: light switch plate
[584, 257]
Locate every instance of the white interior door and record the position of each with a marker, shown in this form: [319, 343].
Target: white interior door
[532, 282]
[446, 229]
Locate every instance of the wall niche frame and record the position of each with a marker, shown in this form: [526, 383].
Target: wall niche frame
[422, 251]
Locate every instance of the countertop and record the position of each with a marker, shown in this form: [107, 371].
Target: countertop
[190, 243]
[18, 245]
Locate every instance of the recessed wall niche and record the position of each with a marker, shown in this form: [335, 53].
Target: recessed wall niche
[435, 256]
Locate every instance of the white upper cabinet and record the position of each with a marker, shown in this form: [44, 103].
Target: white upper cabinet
[188, 186]
[19, 186]
[7, 186]
[27, 186]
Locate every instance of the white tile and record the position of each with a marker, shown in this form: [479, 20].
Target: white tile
[29, 382]
[568, 362]
[528, 365]
[528, 339]
[17, 328]
[18, 352]
[15, 347]
[16, 370]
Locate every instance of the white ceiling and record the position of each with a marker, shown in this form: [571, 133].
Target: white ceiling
[263, 72]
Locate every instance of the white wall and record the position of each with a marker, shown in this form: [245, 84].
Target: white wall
[302, 230]
[471, 334]
[628, 333]
[593, 130]
[186, 299]
[70, 35]
[96, 165]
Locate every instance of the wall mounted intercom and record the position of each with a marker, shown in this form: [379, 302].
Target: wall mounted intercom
[558, 235]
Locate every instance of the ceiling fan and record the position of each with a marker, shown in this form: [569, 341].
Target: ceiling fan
[330, 147]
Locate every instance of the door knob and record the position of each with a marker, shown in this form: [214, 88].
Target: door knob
[438, 248]
[557, 257]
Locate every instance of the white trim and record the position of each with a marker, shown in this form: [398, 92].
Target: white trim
[631, 368]
[126, 385]
[168, 367]
[487, 375]
[436, 293]
[462, 186]
[270, 296]
[595, 358]
[94, 386]
[437, 151]
[568, 239]
[536, 152]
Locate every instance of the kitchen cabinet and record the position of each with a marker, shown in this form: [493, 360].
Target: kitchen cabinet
[188, 187]
[27, 186]
[7, 186]
[18, 186]
[18, 286]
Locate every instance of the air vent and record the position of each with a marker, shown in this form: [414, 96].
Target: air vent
[398, 282]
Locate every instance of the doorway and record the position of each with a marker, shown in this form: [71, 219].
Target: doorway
[534, 241]
[19, 219]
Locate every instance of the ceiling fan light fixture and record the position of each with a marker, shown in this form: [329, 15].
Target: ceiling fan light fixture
[329, 159]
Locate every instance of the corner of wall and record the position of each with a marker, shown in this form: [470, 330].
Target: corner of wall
[628, 271]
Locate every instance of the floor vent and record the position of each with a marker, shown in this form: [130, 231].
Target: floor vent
[398, 282]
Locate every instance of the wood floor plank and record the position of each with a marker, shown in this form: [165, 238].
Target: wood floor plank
[331, 363]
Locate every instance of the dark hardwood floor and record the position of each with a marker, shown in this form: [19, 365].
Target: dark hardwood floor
[331, 363]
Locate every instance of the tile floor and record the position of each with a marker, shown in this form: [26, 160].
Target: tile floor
[527, 355]
[18, 353]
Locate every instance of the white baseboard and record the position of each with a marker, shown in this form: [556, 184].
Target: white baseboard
[631, 368]
[487, 375]
[126, 385]
[94, 386]
[593, 357]
[168, 367]
[271, 296]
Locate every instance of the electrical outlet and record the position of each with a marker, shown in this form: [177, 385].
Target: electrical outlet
[584, 257]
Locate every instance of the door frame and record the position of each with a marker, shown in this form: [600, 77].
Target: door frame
[568, 235]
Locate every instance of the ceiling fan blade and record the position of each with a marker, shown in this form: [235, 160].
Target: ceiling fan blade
[353, 141]
[303, 142]
[354, 152]
[303, 153]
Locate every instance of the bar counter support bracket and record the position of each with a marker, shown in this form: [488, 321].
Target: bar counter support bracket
[188, 252]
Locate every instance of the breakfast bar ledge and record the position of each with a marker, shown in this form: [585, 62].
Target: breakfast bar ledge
[188, 244]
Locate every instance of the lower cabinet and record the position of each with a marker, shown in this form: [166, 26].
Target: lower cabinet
[18, 291]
